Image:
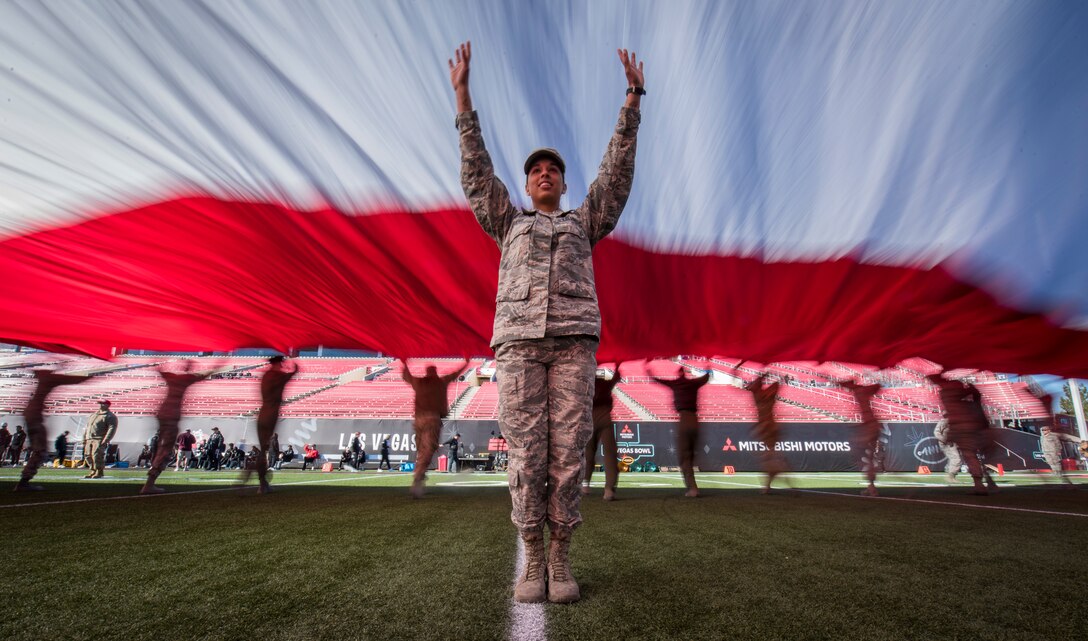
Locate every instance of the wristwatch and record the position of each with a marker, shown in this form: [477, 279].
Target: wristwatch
[638, 91]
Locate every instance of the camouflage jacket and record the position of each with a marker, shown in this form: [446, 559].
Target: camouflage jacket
[1051, 444]
[546, 285]
[102, 426]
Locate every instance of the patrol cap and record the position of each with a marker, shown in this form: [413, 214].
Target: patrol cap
[545, 152]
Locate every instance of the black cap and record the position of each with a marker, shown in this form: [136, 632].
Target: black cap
[545, 152]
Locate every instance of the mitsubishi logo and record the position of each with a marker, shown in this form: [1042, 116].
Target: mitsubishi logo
[729, 445]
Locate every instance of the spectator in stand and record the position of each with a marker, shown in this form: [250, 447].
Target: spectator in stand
[100, 431]
[868, 442]
[230, 457]
[5, 442]
[273, 450]
[385, 454]
[310, 455]
[273, 382]
[286, 456]
[153, 447]
[15, 447]
[214, 450]
[454, 462]
[358, 455]
[767, 429]
[35, 422]
[431, 406]
[185, 453]
[604, 434]
[685, 398]
[169, 417]
[345, 457]
[145, 457]
[60, 446]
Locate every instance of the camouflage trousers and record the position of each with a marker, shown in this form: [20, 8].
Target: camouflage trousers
[545, 413]
[168, 434]
[95, 454]
[604, 435]
[427, 428]
[866, 443]
[35, 436]
[952, 453]
[687, 437]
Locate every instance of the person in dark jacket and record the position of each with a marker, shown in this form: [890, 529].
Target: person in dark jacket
[60, 446]
[685, 398]
[454, 464]
[214, 450]
[385, 455]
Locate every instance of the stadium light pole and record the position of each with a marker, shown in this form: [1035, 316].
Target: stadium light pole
[1078, 408]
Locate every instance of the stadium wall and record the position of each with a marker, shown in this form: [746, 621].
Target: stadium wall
[808, 447]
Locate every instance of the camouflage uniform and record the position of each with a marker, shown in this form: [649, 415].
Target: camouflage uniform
[431, 406]
[273, 382]
[685, 398]
[1050, 441]
[767, 429]
[869, 438]
[547, 323]
[603, 433]
[35, 419]
[951, 452]
[100, 430]
[169, 416]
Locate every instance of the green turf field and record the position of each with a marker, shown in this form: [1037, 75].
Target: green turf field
[351, 556]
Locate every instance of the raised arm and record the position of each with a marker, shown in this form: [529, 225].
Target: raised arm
[448, 378]
[488, 197]
[608, 194]
[405, 373]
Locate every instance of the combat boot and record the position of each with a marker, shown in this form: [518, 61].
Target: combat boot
[562, 588]
[530, 587]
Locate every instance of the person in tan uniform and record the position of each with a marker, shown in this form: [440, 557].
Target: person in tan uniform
[603, 434]
[685, 398]
[953, 461]
[968, 428]
[869, 431]
[273, 382]
[100, 431]
[1050, 439]
[169, 417]
[767, 429]
[34, 414]
[547, 323]
[431, 406]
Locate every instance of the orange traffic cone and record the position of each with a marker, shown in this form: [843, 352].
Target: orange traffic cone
[924, 469]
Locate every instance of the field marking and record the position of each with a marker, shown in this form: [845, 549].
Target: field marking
[232, 487]
[953, 503]
[528, 621]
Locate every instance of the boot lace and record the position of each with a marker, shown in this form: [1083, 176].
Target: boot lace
[534, 563]
[559, 564]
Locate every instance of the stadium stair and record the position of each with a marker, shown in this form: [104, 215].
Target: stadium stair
[636, 407]
[462, 401]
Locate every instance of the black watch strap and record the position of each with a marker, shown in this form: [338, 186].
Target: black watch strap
[638, 91]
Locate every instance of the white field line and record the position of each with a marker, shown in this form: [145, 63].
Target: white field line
[169, 493]
[974, 505]
[528, 621]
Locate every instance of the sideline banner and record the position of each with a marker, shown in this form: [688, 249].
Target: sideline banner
[808, 447]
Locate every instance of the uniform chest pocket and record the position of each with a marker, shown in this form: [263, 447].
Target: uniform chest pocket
[573, 262]
[514, 275]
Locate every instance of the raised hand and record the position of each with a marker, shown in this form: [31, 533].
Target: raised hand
[459, 70]
[631, 68]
